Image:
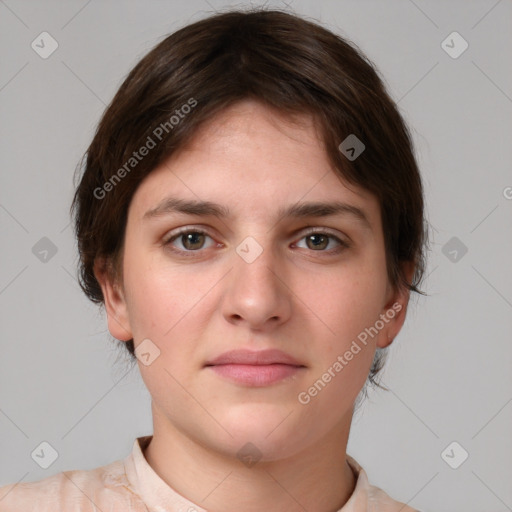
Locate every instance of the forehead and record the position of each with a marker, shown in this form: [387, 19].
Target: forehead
[251, 158]
[251, 117]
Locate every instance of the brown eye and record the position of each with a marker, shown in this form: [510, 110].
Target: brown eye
[192, 241]
[188, 241]
[317, 241]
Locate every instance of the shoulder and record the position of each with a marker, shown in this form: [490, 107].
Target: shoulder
[379, 501]
[369, 497]
[70, 491]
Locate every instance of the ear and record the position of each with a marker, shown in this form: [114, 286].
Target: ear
[115, 303]
[395, 309]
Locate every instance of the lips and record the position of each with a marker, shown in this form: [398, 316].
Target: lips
[255, 369]
[262, 357]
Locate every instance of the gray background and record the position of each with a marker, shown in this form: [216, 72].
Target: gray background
[63, 381]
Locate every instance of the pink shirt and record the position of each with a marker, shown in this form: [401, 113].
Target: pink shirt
[131, 485]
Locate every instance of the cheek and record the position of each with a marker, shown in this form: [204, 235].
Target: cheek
[156, 297]
[349, 304]
[169, 306]
[346, 301]
[162, 304]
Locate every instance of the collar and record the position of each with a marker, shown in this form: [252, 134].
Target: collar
[158, 496]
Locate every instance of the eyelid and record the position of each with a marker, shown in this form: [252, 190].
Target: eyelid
[185, 229]
[321, 230]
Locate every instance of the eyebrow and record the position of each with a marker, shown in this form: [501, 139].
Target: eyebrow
[172, 205]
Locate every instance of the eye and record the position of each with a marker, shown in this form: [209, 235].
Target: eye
[191, 240]
[318, 241]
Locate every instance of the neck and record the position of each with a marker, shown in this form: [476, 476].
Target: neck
[317, 478]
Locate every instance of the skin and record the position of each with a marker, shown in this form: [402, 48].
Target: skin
[305, 300]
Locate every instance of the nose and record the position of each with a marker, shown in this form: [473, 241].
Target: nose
[257, 293]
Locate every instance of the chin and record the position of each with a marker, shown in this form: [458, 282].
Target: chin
[268, 430]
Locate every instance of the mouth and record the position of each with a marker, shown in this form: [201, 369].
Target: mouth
[261, 368]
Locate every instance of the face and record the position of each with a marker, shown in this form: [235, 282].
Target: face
[198, 284]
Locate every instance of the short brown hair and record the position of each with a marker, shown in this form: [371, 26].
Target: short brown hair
[283, 61]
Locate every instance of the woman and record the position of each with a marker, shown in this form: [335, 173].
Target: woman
[251, 216]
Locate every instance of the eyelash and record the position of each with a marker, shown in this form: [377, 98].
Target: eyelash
[191, 254]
